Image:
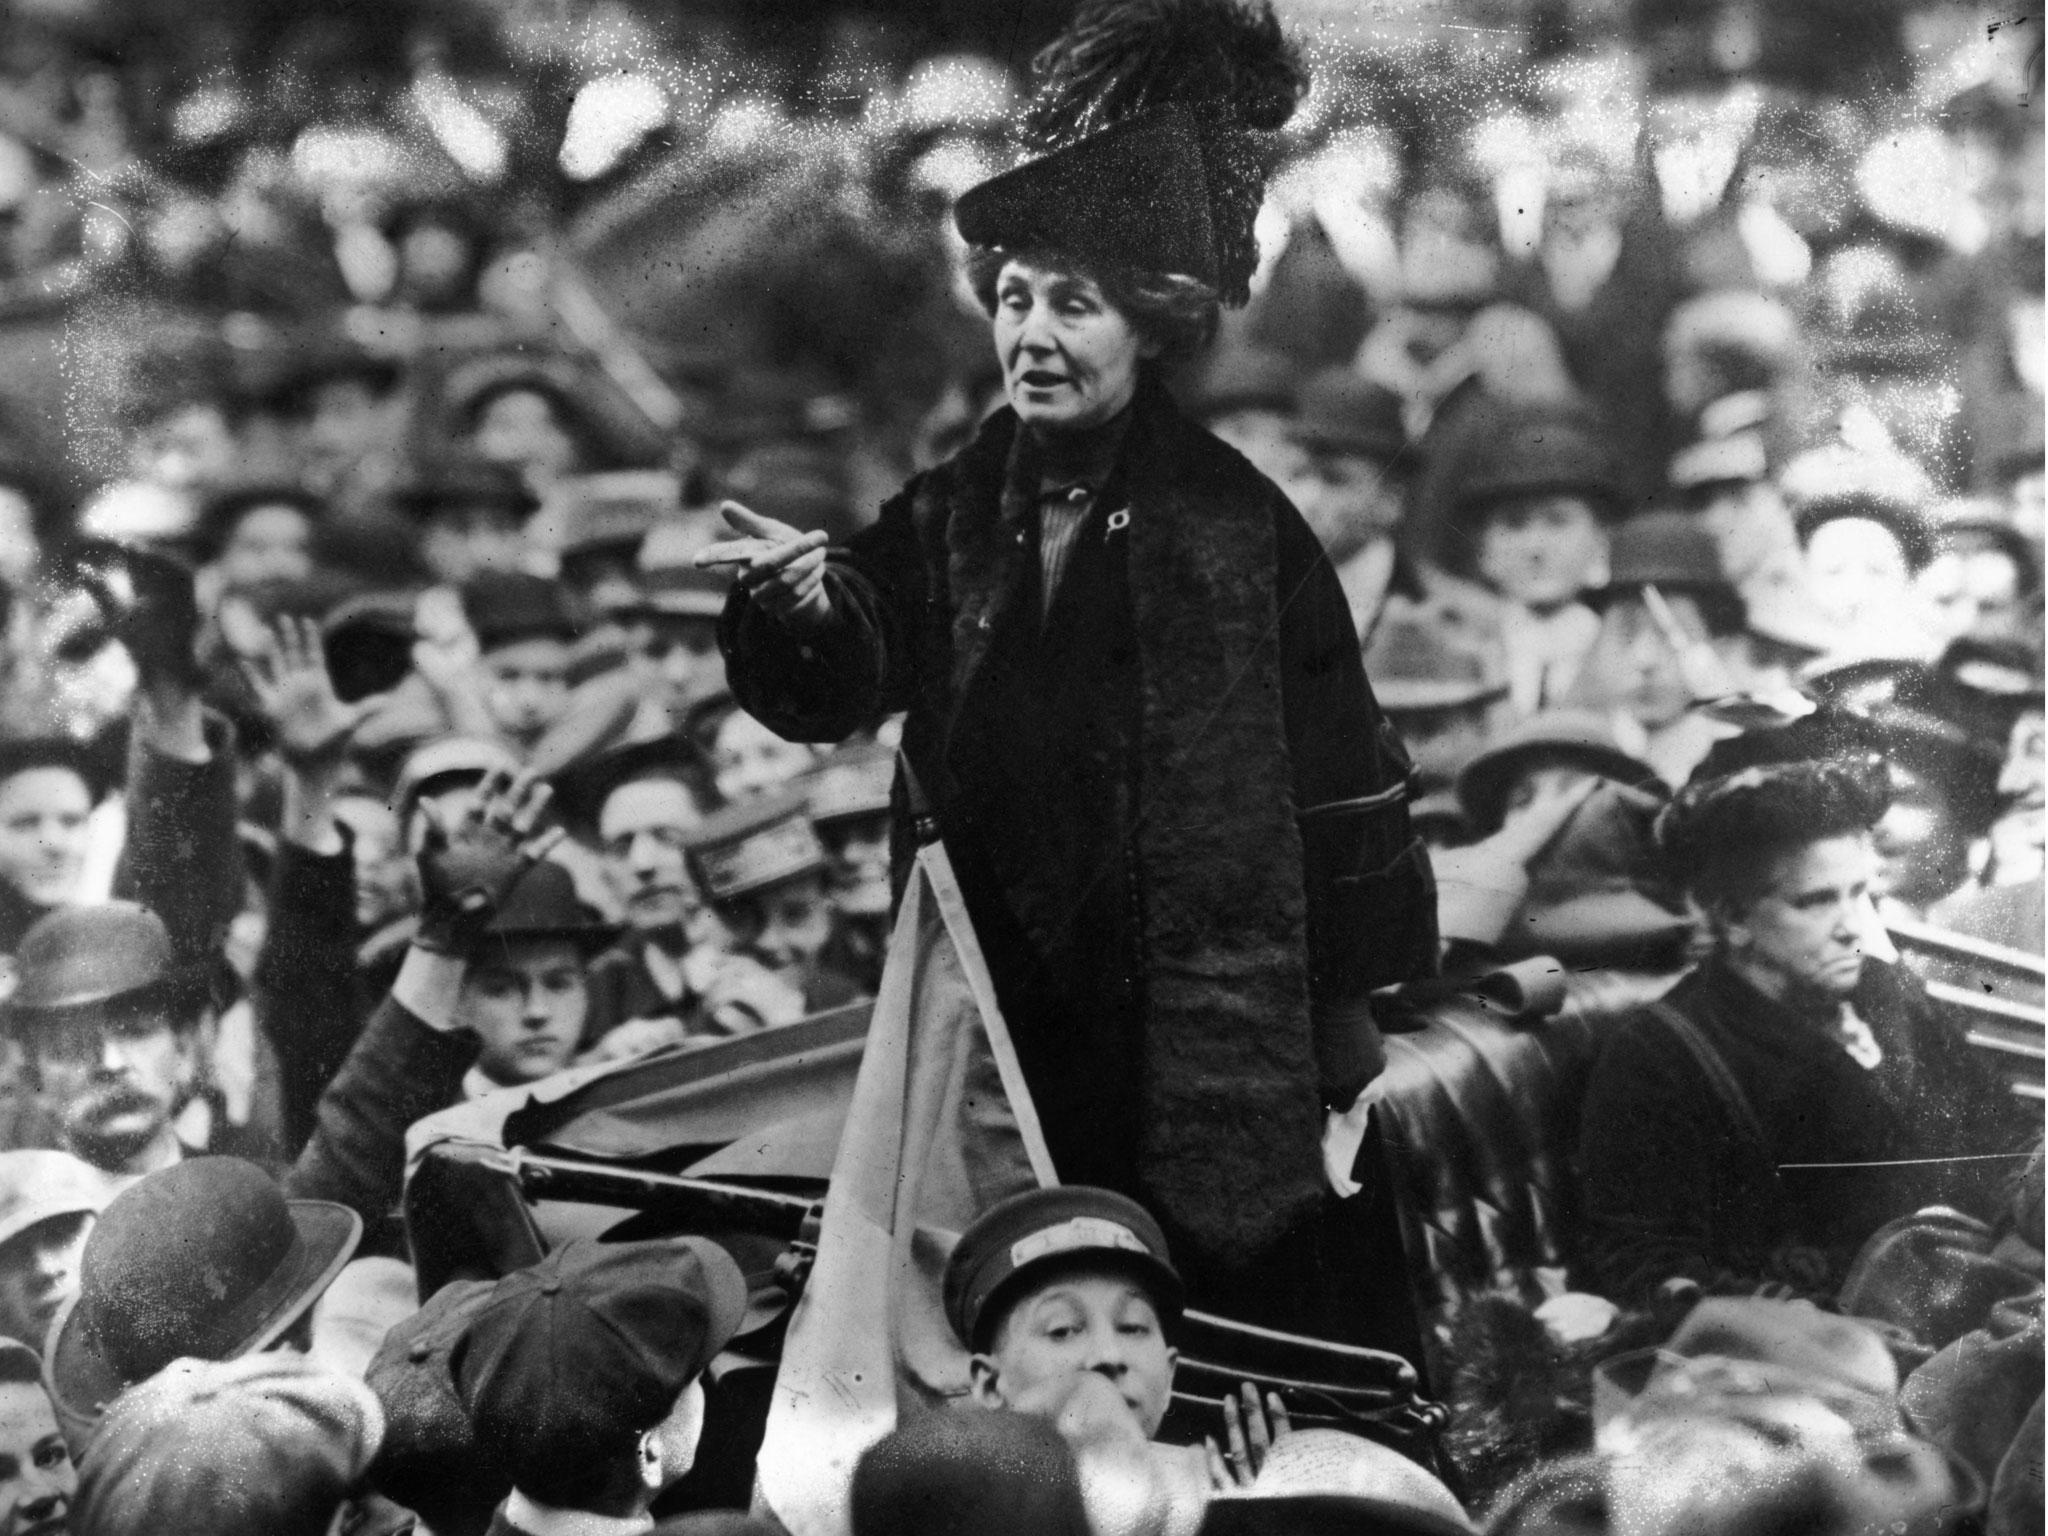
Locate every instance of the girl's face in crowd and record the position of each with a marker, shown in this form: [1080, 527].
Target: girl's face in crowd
[788, 925]
[527, 1004]
[1070, 361]
[1542, 552]
[37, 1479]
[520, 428]
[44, 834]
[1073, 1324]
[1856, 572]
[268, 544]
[749, 759]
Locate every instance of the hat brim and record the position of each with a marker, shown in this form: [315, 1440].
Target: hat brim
[181, 984]
[35, 1216]
[591, 938]
[82, 1381]
[1424, 693]
[1166, 1288]
[1483, 786]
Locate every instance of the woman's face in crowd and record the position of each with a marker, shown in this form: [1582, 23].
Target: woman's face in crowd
[1856, 572]
[1542, 552]
[1073, 1324]
[1069, 360]
[39, 1273]
[1633, 666]
[37, 1479]
[749, 759]
[1971, 589]
[268, 544]
[520, 428]
[527, 1005]
[528, 688]
[1923, 852]
[44, 834]
[1804, 937]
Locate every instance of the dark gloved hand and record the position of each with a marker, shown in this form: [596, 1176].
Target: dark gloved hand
[150, 608]
[470, 862]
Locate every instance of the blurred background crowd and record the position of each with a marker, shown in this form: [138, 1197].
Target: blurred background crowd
[1651, 370]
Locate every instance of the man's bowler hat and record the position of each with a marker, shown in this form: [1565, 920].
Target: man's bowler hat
[81, 957]
[206, 1259]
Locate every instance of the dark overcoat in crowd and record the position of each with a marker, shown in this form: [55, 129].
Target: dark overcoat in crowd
[1176, 811]
[1680, 1182]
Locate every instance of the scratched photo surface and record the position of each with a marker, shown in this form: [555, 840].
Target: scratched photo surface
[962, 767]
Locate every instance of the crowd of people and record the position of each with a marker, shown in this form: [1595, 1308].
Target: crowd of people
[1579, 497]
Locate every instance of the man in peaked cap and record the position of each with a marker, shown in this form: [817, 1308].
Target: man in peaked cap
[762, 868]
[848, 796]
[583, 1375]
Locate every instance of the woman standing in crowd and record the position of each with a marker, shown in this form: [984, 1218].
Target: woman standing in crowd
[1137, 711]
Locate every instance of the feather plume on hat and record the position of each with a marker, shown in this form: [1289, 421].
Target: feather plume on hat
[1223, 66]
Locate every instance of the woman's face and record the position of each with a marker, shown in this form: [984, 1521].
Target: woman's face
[269, 543]
[1541, 552]
[1857, 572]
[1069, 360]
[520, 428]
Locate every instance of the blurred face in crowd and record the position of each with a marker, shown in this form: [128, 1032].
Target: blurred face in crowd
[1266, 438]
[19, 547]
[44, 834]
[1070, 361]
[351, 417]
[1923, 850]
[529, 686]
[187, 446]
[267, 544]
[1541, 551]
[461, 540]
[1351, 500]
[387, 880]
[2016, 837]
[1971, 589]
[1803, 938]
[859, 847]
[526, 1000]
[785, 927]
[521, 427]
[39, 1273]
[1857, 574]
[643, 827]
[685, 652]
[1633, 665]
[748, 759]
[37, 1479]
[114, 1077]
[1076, 1322]
[1541, 776]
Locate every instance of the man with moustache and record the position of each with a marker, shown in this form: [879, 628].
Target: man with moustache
[1791, 1094]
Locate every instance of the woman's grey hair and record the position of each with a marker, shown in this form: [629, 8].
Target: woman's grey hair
[1175, 313]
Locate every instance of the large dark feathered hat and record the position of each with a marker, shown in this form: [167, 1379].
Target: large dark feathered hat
[1153, 123]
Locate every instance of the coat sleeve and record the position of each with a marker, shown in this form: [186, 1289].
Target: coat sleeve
[824, 684]
[305, 981]
[1370, 897]
[1668, 1195]
[181, 859]
[399, 1070]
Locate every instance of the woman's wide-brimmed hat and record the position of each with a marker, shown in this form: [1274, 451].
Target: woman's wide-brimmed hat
[246, 1265]
[1152, 125]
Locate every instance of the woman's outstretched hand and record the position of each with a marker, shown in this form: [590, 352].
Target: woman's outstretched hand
[777, 566]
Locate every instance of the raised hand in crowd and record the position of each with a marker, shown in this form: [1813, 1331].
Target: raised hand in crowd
[290, 682]
[780, 567]
[152, 609]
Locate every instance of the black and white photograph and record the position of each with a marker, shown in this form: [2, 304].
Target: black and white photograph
[1022, 768]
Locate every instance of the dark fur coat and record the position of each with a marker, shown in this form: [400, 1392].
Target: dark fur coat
[1215, 862]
